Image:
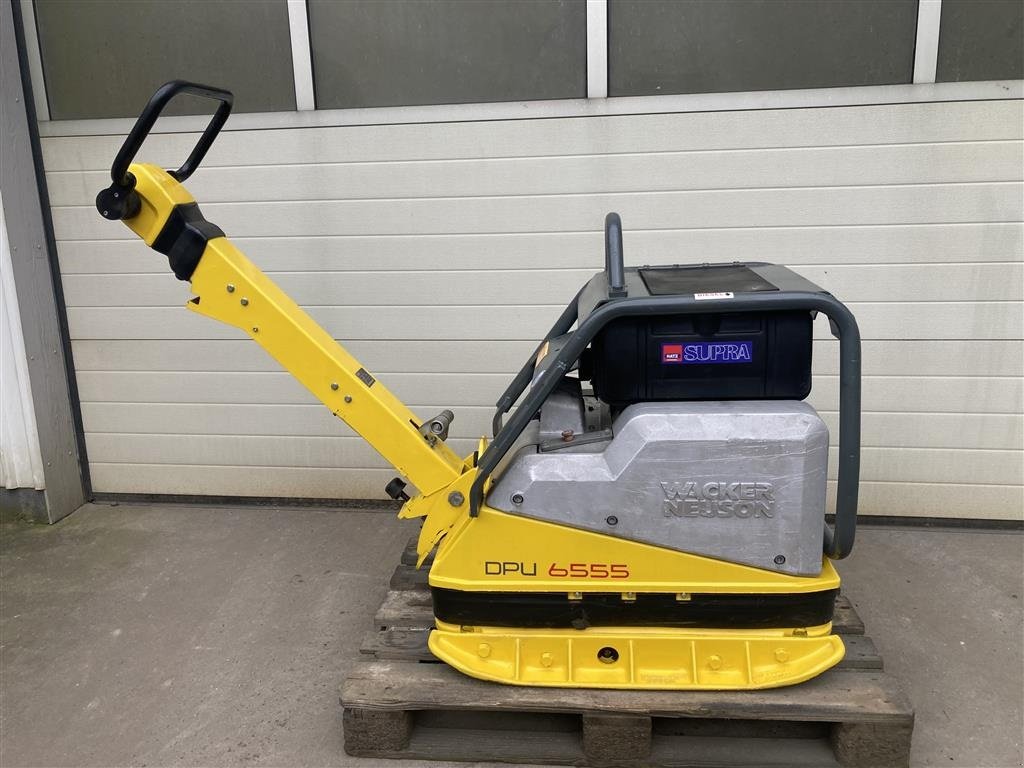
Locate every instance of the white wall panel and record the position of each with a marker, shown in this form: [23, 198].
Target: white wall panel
[885, 464]
[881, 429]
[973, 500]
[439, 252]
[698, 209]
[628, 172]
[973, 357]
[878, 320]
[878, 282]
[936, 394]
[635, 134]
[851, 244]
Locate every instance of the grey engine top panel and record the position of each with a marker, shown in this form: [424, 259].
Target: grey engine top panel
[595, 292]
[742, 481]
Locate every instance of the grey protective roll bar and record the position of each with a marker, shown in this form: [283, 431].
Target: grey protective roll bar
[519, 383]
[838, 538]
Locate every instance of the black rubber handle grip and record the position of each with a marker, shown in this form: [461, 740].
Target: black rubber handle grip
[163, 95]
[119, 201]
[613, 262]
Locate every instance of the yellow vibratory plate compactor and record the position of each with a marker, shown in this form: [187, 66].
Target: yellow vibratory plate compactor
[650, 515]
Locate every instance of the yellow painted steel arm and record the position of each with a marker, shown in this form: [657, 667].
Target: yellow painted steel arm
[230, 288]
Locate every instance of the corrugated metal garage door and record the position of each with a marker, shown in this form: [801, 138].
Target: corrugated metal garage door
[439, 252]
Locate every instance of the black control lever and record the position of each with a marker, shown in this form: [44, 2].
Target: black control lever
[396, 490]
[119, 200]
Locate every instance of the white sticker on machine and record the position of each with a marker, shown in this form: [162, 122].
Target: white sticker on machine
[717, 295]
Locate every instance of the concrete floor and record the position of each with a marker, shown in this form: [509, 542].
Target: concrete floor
[179, 635]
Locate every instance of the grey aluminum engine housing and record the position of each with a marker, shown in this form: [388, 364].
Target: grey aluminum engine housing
[742, 481]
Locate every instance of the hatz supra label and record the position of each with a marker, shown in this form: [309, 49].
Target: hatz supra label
[704, 352]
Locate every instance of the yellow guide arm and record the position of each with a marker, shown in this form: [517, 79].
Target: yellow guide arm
[230, 288]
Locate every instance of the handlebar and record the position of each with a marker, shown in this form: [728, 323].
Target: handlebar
[119, 200]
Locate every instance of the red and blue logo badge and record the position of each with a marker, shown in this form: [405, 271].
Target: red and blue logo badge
[705, 352]
[671, 353]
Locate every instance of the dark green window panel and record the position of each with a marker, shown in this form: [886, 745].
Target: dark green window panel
[376, 53]
[981, 40]
[104, 58]
[709, 46]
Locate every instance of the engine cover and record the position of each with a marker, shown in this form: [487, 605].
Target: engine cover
[742, 481]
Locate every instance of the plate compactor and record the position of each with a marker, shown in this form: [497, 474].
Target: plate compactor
[652, 512]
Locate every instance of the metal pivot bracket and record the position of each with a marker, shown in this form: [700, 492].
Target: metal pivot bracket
[437, 428]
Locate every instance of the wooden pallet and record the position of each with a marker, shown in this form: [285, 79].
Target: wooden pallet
[402, 703]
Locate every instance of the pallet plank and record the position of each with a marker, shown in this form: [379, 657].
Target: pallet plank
[860, 696]
[545, 748]
[410, 555]
[398, 644]
[410, 644]
[845, 619]
[861, 653]
[407, 609]
[408, 577]
[541, 745]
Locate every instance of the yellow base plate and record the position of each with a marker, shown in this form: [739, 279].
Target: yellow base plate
[640, 659]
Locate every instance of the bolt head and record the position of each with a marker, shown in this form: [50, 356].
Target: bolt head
[781, 655]
[715, 662]
[612, 520]
[483, 650]
[456, 499]
[348, 398]
[231, 288]
[334, 386]
[244, 302]
[517, 498]
[780, 559]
